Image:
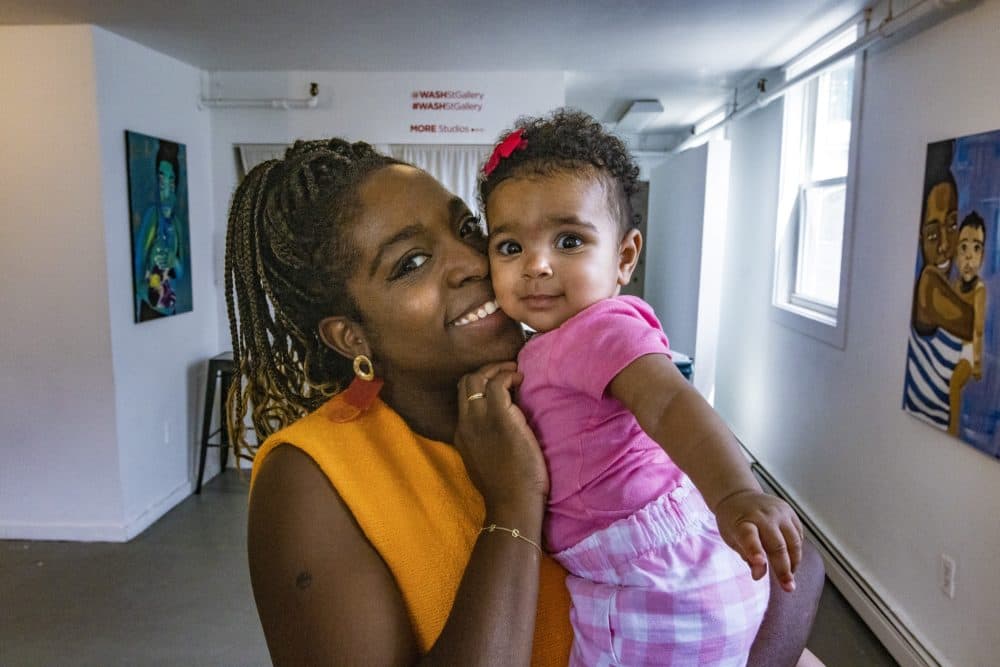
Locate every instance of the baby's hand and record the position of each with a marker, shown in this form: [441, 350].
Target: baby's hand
[762, 528]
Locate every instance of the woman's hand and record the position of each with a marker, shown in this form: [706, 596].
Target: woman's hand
[762, 529]
[501, 453]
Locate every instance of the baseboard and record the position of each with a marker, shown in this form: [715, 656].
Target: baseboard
[905, 646]
[148, 517]
[98, 531]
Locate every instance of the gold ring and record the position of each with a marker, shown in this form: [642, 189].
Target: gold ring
[476, 396]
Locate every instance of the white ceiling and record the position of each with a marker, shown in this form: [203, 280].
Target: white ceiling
[689, 54]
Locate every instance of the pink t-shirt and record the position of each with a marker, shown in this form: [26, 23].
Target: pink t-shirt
[602, 465]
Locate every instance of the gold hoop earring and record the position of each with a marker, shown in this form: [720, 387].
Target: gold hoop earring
[363, 368]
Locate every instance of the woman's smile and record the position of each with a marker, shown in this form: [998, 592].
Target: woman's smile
[438, 318]
[476, 313]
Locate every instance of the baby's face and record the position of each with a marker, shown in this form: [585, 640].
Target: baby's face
[555, 247]
[970, 252]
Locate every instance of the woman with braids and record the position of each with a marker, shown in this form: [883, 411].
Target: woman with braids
[367, 337]
[350, 273]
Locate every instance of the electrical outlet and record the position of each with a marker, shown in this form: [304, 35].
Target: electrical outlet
[948, 572]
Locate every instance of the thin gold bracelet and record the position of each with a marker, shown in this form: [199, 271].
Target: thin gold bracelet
[514, 532]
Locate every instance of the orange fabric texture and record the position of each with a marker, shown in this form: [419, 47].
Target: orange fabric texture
[416, 505]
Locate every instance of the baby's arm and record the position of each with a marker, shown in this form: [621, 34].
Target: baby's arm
[759, 527]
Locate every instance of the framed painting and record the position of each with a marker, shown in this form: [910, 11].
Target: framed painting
[952, 378]
[158, 221]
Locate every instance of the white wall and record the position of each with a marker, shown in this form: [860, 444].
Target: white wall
[99, 415]
[159, 365]
[673, 244]
[713, 243]
[360, 106]
[689, 205]
[893, 493]
[59, 468]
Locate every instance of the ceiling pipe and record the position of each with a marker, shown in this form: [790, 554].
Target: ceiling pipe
[890, 26]
[283, 103]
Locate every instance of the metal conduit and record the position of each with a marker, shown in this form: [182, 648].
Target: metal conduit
[886, 29]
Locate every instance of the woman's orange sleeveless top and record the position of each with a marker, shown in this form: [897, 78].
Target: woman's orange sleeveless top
[416, 505]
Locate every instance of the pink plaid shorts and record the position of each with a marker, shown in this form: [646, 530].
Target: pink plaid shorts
[661, 588]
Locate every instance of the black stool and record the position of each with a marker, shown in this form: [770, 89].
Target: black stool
[220, 371]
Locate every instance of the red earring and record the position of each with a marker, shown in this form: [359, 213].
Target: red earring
[359, 395]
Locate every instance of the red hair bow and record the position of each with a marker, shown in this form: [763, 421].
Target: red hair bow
[505, 148]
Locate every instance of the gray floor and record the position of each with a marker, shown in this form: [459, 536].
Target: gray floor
[179, 594]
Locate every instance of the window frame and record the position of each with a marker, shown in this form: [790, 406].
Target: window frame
[809, 316]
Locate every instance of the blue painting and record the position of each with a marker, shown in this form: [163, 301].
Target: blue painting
[158, 218]
[952, 378]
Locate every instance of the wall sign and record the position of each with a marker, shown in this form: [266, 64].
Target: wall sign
[443, 111]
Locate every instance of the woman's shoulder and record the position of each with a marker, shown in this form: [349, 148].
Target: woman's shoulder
[291, 440]
[323, 433]
[311, 565]
[289, 493]
[286, 472]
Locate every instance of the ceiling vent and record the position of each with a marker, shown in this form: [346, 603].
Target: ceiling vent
[639, 114]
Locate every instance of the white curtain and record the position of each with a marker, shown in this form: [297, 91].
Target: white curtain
[456, 166]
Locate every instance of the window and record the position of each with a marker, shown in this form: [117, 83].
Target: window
[814, 207]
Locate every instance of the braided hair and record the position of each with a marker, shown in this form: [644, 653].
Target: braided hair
[568, 140]
[288, 258]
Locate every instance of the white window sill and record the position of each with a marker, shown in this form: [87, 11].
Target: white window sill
[811, 323]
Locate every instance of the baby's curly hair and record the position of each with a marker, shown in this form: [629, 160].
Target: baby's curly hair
[568, 140]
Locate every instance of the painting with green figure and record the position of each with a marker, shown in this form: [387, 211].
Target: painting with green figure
[158, 218]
